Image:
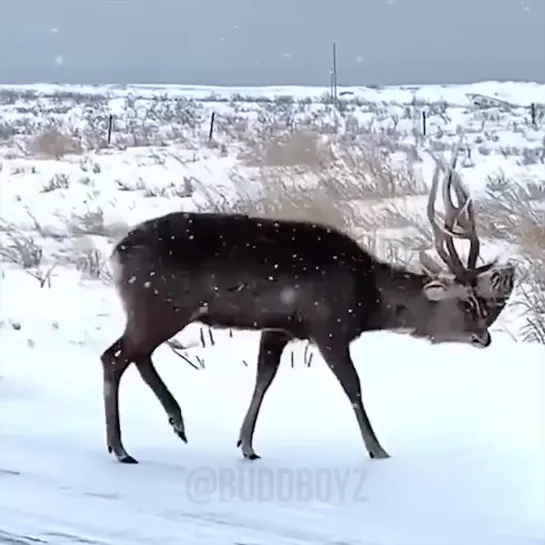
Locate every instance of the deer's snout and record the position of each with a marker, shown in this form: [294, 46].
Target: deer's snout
[481, 340]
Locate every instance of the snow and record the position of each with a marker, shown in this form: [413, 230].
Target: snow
[464, 426]
[465, 431]
[517, 93]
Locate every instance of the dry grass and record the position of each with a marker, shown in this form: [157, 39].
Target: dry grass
[51, 144]
[353, 169]
[293, 149]
[370, 172]
[91, 261]
[515, 214]
[22, 249]
[349, 186]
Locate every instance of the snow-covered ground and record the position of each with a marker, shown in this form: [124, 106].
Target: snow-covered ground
[465, 427]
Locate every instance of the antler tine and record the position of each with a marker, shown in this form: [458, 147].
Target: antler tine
[440, 235]
[467, 217]
[453, 215]
[463, 215]
[444, 234]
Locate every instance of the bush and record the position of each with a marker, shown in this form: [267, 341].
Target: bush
[515, 213]
[51, 144]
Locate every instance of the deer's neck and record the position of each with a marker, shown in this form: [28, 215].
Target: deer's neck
[402, 298]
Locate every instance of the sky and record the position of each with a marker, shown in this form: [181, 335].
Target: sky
[245, 42]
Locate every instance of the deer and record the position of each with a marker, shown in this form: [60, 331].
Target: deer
[293, 280]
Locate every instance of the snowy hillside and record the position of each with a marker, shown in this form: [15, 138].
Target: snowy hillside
[78, 165]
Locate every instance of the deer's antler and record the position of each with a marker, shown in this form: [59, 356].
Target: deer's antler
[459, 221]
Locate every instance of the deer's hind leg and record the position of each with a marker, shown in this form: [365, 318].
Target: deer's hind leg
[115, 361]
[143, 334]
[172, 320]
[152, 378]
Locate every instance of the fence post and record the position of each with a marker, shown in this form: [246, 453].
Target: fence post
[533, 114]
[110, 127]
[211, 131]
[334, 75]
[424, 123]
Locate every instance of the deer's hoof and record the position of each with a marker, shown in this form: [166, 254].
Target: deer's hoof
[181, 435]
[127, 459]
[252, 456]
[247, 450]
[379, 455]
[122, 457]
[178, 430]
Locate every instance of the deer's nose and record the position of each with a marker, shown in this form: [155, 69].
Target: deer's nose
[481, 339]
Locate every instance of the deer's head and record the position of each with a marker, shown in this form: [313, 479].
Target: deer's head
[462, 301]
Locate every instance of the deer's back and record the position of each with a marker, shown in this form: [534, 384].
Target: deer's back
[197, 240]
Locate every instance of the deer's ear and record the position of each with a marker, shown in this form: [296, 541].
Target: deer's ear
[435, 290]
[431, 267]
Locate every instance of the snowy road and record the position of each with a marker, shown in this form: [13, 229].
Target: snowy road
[466, 437]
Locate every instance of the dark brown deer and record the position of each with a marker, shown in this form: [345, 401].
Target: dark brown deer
[292, 280]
